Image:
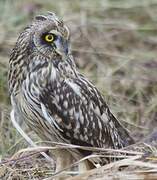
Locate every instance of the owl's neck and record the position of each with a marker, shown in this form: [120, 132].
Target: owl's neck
[66, 68]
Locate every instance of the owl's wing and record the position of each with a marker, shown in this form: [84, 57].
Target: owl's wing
[79, 114]
[98, 99]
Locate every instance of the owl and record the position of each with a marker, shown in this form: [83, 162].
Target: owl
[53, 98]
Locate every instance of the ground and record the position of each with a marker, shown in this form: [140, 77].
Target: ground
[114, 43]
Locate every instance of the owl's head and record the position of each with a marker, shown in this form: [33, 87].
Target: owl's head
[45, 40]
[47, 35]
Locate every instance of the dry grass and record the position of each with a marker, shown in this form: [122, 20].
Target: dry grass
[114, 43]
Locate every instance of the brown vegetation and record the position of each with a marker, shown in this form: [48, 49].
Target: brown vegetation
[114, 43]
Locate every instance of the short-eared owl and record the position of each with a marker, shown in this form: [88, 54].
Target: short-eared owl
[52, 97]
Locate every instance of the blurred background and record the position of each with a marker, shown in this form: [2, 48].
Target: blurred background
[114, 43]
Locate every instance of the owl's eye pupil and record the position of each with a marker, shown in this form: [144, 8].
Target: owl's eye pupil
[49, 37]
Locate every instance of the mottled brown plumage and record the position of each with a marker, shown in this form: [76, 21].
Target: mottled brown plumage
[52, 97]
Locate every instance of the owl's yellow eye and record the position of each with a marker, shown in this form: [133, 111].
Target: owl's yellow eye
[49, 38]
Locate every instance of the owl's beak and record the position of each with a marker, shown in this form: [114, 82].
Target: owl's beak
[61, 46]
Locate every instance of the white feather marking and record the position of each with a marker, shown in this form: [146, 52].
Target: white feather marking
[104, 117]
[97, 110]
[100, 125]
[65, 104]
[75, 87]
[16, 125]
[25, 136]
[48, 117]
[77, 115]
[53, 73]
[81, 117]
[57, 98]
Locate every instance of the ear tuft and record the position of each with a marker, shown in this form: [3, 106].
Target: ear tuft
[40, 18]
[51, 13]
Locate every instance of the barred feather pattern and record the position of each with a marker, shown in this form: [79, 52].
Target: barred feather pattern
[55, 100]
